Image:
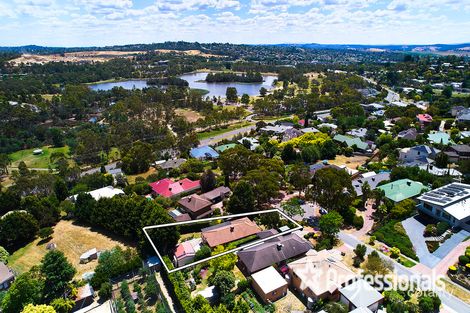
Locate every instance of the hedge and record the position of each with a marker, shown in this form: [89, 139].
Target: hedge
[394, 235]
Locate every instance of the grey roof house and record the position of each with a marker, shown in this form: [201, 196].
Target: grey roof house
[409, 134]
[6, 277]
[171, 164]
[421, 152]
[372, 178]
[271, 252]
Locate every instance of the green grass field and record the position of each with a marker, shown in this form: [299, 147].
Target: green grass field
[35, 161]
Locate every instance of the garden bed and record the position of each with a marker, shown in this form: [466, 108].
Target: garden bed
[394, 235]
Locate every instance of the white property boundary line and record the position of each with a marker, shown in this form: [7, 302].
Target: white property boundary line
[298, 227]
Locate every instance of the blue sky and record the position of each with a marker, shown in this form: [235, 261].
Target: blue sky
[109, 22]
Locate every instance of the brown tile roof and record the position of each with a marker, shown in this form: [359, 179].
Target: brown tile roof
[194, 203]
[229, 231]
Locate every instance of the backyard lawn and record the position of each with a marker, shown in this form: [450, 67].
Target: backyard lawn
[72, 240]
[35, 161]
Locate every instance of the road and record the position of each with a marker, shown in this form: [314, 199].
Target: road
[227, 135]
[449, 301]
[391, 96]
[232, 133]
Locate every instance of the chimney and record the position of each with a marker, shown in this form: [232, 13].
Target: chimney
[232, 229]
[373, 178]
[189, 199]
[408, 183]
[279, 246]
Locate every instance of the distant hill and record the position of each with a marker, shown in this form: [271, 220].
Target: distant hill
[463, 48]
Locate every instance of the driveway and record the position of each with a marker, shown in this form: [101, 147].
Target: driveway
[415, 230]
[450, 302]
[450, 244]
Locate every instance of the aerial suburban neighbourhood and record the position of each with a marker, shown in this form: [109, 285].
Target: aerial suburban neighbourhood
[202, 156]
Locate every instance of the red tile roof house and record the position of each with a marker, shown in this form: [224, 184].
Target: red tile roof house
[168, 188]
[424, 118]
[186, 251]
[229, 231]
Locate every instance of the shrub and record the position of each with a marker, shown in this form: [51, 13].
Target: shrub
[430, 230]
[463, 259]
[360, 251]
[467, 266]
[358, 221]
[372, 240]
[45, 232]
[105, 291]
[243, 285]
[442, 227]
[395, 252]
[357, 262]
[452, 269]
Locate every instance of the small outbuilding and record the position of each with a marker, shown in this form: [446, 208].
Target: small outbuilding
[269, 284]
[360, 294]
[91, 254]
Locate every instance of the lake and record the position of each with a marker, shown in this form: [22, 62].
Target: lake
[196, 81]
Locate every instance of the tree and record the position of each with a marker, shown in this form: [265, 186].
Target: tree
[57, 136]
[231, 94]
[442, 160]
[365, 188]
[105, 291]
[332, 189]
[16, 229]
[447, 92]
[403, 209]
[202, 253]
[62, 305]
[137, 160]
[60, 189]
[208, 181]
[242, 200]
[310, 154]
[25, 289]
[328, 150]
[360, 251]
[222, 263]
[151, 287]
[262, 91]
[58, 272]
[45, 232]
[330, 224]
[40, 308]
[23, 169]
[4, 255]
[292, 207]
[245, 99]
[299, 177]
[288, 154]
[265, 185]
[375, 265]
[5, 161]
[224, 281]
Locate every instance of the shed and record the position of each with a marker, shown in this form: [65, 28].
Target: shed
[269, 284]
[153, 263]
[91, 254]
